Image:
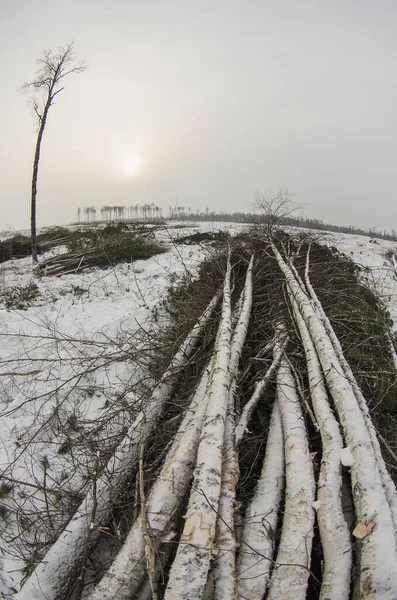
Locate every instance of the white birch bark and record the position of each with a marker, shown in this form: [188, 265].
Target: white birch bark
[378, 568]
[394, 263]
[290, 574]
[190, 568]
[225, 567]
[242, 425]
[241, 328]
[145, 591]
[52, 577]
[387, 482]
[334, 532]
[225, 541]
[128, 570]
[393, 352]
[255, 558]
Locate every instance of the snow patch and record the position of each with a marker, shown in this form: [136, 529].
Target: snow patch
[346, 457]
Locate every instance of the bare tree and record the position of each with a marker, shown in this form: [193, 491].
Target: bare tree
[275, 208]
[53, 68]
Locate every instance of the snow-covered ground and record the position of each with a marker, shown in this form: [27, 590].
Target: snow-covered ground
[70, 351]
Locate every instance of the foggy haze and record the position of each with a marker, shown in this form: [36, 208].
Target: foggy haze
[203, 103]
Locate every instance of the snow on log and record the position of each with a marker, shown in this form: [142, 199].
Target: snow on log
[225, 541]
[241, 328]
[53, 576]
[394, 263]
[225, 563]
[393, 351]
[190, 568]
[387, 482]
[378, 564]
[290, 574]
[128, 570]
[334, 532]
[261, 518]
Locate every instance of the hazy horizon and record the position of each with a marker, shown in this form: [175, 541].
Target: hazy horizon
[202, 104]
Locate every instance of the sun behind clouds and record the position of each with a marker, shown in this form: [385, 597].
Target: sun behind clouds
[130, 165]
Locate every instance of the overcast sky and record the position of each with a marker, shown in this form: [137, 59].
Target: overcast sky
[214, 99]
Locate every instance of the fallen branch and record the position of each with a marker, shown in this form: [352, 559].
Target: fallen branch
[78, 588]
[52, 577]
[242, 426]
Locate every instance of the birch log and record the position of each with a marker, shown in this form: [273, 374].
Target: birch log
[225, 585]
[53, 576]
[387, 482]
[393, 351]
[241, 328]
[394, 263]
[290, 574]
[334, 532]
[190, 568]
[255, 558]
[128, 570]
[225, 566]
[378, 568]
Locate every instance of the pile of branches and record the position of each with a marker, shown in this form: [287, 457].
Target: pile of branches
[102, 248]
[20, 246]
[205, 236]
[272, 482]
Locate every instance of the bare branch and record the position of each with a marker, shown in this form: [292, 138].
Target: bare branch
[274, 208]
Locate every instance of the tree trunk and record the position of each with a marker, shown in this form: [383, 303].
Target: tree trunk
[35, 175]
[290, 575]
[378, 570]
[127, 572]
[387, 482]
[334, 532]
[190, 568]
[225, 567]
[258, 538]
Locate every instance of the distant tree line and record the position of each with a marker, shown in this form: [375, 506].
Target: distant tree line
[151, 212]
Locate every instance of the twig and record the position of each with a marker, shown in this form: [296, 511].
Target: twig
[388, 447]
[78, 266]
[45, 465]
[138, 288]
[149, 548]
[78, 589]
[303, 397]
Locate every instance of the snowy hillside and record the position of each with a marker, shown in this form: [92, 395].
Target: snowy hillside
[74, 374]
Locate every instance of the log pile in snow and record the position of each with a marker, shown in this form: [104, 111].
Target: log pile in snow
[193, 538]
[53, 576]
